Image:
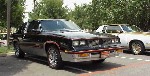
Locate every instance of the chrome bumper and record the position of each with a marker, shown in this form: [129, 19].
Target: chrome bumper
[90, 57]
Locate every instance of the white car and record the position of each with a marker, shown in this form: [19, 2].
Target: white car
[137, 42]
[3, 39]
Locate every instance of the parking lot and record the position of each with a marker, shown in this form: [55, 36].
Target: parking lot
[125, 64]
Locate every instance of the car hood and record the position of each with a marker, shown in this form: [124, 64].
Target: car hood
[76, 35]
[105, 35]
[139, 33]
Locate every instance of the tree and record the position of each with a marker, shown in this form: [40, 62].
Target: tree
[134, 12]
[49, 9]
[17, 8]
[81, 16]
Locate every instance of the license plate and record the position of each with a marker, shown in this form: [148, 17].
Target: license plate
[119, 50]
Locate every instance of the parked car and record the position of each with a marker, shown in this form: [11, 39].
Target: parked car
[61, 40]
[131, 37]
[3, 39]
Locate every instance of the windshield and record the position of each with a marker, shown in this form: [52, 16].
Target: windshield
[126, 28]
[133, 28]
[55, 25]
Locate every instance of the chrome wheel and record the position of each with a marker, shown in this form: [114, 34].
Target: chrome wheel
[137, 47]
[54, 58]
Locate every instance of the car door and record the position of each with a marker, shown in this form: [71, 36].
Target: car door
[27, 38]
[36, 39]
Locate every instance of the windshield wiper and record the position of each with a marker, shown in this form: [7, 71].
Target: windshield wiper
[69, 30]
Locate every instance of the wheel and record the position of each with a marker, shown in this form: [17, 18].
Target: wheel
[18, 53]
[54, 58]
[137, 48]
[98, 61]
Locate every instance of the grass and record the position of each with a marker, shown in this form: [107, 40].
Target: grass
[4, 49]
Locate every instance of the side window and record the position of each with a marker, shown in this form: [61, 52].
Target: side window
[32, 25]
[49, 25]
[113, 29]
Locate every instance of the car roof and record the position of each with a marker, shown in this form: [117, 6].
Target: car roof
[51, 19]
[119, 24]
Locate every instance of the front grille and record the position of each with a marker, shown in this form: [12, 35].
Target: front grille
[93, 43]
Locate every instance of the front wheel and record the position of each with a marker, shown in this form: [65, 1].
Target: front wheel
[54, 58]
[137, 48]
[18, 53]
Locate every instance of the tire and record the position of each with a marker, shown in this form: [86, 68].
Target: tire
[54, 58]
[18, 53]
[137, 47]
[98, 61]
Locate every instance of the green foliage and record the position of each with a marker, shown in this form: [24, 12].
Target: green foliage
[49, 9]
[4, 49]
[80, 15]
[134, 12]
[97, 13]
[17, 8]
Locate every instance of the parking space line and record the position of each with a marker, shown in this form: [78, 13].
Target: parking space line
[132, 65]
[139, 59]
[147, 60]
[131, 58]
[123, 57]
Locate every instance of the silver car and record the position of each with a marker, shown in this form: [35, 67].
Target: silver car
[131, 37]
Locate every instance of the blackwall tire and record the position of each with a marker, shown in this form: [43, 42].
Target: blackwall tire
[18, 52]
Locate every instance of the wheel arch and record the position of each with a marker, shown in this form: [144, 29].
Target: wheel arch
[51, 43]
[14, 41]
[135, 41]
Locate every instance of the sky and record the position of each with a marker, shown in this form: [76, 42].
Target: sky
[68, 3]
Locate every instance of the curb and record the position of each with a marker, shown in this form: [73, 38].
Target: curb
[3, 55]
[6, 54]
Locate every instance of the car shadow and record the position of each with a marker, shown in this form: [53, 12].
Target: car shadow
[77, 68]
[86, 67]
[12, 65]
[127, 52]
[147, 53]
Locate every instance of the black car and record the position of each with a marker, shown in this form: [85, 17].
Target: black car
[61, 40]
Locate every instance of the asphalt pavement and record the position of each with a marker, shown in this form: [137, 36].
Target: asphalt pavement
[125, 64]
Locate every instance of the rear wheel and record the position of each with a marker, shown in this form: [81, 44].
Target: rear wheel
[54, 58]
[18, 53]
[137, 47]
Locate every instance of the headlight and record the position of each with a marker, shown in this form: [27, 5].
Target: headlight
[78, 43]
[75, 43]
[82, 42]
[115, 40]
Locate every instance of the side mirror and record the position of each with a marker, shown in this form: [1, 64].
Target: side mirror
[37, 31]
[121, 32]
[103, 31]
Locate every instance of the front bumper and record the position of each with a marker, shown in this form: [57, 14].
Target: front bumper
[89, 55]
